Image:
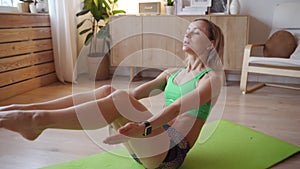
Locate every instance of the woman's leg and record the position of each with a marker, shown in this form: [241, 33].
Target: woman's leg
[63, 102]
[90, 115]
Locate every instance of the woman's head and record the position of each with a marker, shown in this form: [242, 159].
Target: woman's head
[204, 39]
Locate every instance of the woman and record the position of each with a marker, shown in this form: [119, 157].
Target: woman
[189, 95]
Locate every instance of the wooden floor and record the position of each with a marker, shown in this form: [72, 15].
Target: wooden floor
[269, 110]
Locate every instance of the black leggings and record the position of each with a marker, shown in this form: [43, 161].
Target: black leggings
[179, 147]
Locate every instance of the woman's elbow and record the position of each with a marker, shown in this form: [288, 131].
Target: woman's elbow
[176, 107]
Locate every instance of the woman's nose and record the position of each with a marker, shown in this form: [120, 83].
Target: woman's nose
[187, 35]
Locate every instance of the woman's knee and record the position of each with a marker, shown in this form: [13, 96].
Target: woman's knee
[129, 107]
[104, 91]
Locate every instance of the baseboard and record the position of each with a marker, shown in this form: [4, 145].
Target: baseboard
[231, 75]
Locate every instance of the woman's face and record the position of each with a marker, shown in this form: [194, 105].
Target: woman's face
[196, 40]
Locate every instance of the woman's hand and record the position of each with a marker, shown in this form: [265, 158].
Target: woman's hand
[131, 129]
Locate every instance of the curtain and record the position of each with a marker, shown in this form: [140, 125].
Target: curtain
[63, 27]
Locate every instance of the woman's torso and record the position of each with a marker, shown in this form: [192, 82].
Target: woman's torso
[189, 124]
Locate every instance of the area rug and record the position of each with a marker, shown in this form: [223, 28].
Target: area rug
[231, 146]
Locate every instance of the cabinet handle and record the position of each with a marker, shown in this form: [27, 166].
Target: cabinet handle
[148, 7]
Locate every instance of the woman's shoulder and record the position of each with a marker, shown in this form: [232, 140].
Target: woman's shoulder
[170, 71]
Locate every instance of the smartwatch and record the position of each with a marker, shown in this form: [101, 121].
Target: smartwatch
[148, 128]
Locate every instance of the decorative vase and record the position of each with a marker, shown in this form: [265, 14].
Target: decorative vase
[42, 6]
[169, 10]
[234, 7]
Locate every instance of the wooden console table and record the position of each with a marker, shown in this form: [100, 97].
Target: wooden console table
[156, 41]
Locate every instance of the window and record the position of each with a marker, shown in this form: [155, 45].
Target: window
[9, 3]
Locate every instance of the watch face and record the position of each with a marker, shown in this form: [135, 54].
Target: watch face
[147, 131]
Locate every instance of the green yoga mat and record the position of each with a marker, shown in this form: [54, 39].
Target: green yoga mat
[231, 146]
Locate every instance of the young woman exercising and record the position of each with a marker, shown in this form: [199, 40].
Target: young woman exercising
[155, 141]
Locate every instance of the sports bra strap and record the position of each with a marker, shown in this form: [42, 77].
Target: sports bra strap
[199, 76]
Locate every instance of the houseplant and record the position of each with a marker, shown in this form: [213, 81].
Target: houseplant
[170, 7]
[96, 13]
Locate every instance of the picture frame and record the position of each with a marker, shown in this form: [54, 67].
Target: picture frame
[200, 3]
[192, 7]
[219, 7]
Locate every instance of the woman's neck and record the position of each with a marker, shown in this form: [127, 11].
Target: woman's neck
[194, 63]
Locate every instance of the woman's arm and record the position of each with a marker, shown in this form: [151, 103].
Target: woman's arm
[206, 90]
[152, 87]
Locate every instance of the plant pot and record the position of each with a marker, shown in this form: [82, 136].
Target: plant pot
[98, 66]
[169, 10]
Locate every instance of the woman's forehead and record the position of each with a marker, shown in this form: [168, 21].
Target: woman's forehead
[198, 25]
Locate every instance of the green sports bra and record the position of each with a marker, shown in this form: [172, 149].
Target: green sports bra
[174, 91]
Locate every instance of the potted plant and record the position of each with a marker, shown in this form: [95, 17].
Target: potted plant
[97, 34]
[170, 7]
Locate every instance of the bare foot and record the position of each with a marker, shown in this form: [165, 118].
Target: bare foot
[24, 123]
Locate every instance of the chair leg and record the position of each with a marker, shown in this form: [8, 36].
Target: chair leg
[243, 82]
[255, 87]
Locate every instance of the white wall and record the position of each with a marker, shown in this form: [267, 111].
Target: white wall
[261, 12]
[132, 6]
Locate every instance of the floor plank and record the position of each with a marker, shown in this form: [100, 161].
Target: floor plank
[269, 110]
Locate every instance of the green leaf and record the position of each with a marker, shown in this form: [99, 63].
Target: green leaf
[87, 4]
[170, 2]
[96, 3]
[95, 12]
[107, 6]
[118, 11]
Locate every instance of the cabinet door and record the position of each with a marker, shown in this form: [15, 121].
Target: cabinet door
[158, 41]
[126, 41]
[235, 30]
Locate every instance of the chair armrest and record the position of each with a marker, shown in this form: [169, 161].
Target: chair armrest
[248, 49]
[247, 53]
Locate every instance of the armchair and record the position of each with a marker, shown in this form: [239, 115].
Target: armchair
[283, 19]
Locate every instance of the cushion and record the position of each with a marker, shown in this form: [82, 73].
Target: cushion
[296, 54]
[275, 61]
[281, 44]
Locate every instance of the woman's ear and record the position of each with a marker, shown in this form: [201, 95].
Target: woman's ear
[213, 43]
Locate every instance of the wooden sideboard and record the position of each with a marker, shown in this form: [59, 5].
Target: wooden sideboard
[156, 41]
[26, 56]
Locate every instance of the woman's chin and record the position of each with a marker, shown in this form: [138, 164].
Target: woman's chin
[185, 48]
